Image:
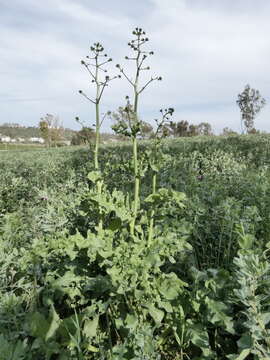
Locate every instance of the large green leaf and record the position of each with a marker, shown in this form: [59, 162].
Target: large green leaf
[156, 313]
[171, 286]
[243, 355]
[90, 327]
[39, 325]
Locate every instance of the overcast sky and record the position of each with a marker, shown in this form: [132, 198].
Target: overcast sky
[205, 50]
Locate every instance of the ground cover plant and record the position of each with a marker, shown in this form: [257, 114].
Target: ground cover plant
[45, 220]
[19, 147]
[144, 250]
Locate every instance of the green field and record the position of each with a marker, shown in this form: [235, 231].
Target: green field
[75, 283]
[20, 147]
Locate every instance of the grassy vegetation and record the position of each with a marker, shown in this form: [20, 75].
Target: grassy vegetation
[198, 290]
[20, 147]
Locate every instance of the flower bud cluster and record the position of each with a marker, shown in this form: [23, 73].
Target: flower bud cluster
[138, 32]
[166, 113]
[97, 48]
[135, 44]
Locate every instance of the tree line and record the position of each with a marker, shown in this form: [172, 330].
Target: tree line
[50, 128]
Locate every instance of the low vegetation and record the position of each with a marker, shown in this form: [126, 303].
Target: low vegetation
[143, 250]
[197, 289]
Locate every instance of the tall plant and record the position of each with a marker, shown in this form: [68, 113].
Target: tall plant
[250, 103]
[139, 57]
[94, 64]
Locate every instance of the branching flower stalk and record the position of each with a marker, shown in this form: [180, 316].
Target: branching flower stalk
[139, 58]
[155, 160]
[94, 65]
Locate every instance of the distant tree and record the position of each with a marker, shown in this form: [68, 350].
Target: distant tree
[169, 129]
[85, 136]
[254, 131]
[193, 130]
[250, 103]
[51, 130]
[76, 140]
[204, 128]
[146, 130]
[45, 131]
[124, 118]
[228, 132]
[182, 128]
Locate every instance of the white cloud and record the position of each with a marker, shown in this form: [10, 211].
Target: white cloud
[208, 55]
[206, 52]
[82, 13]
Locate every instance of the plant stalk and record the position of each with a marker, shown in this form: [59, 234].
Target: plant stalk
[135, 160]
[135, 149]
[151, 225]
[97, 138]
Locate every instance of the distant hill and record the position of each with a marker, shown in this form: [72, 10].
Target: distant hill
[17, 131]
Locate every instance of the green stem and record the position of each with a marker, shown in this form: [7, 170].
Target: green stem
[135, 162]
[136, 185]
[109, 333]
[151, 225]
[96, 164]
[97, 138]
[136, 203]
